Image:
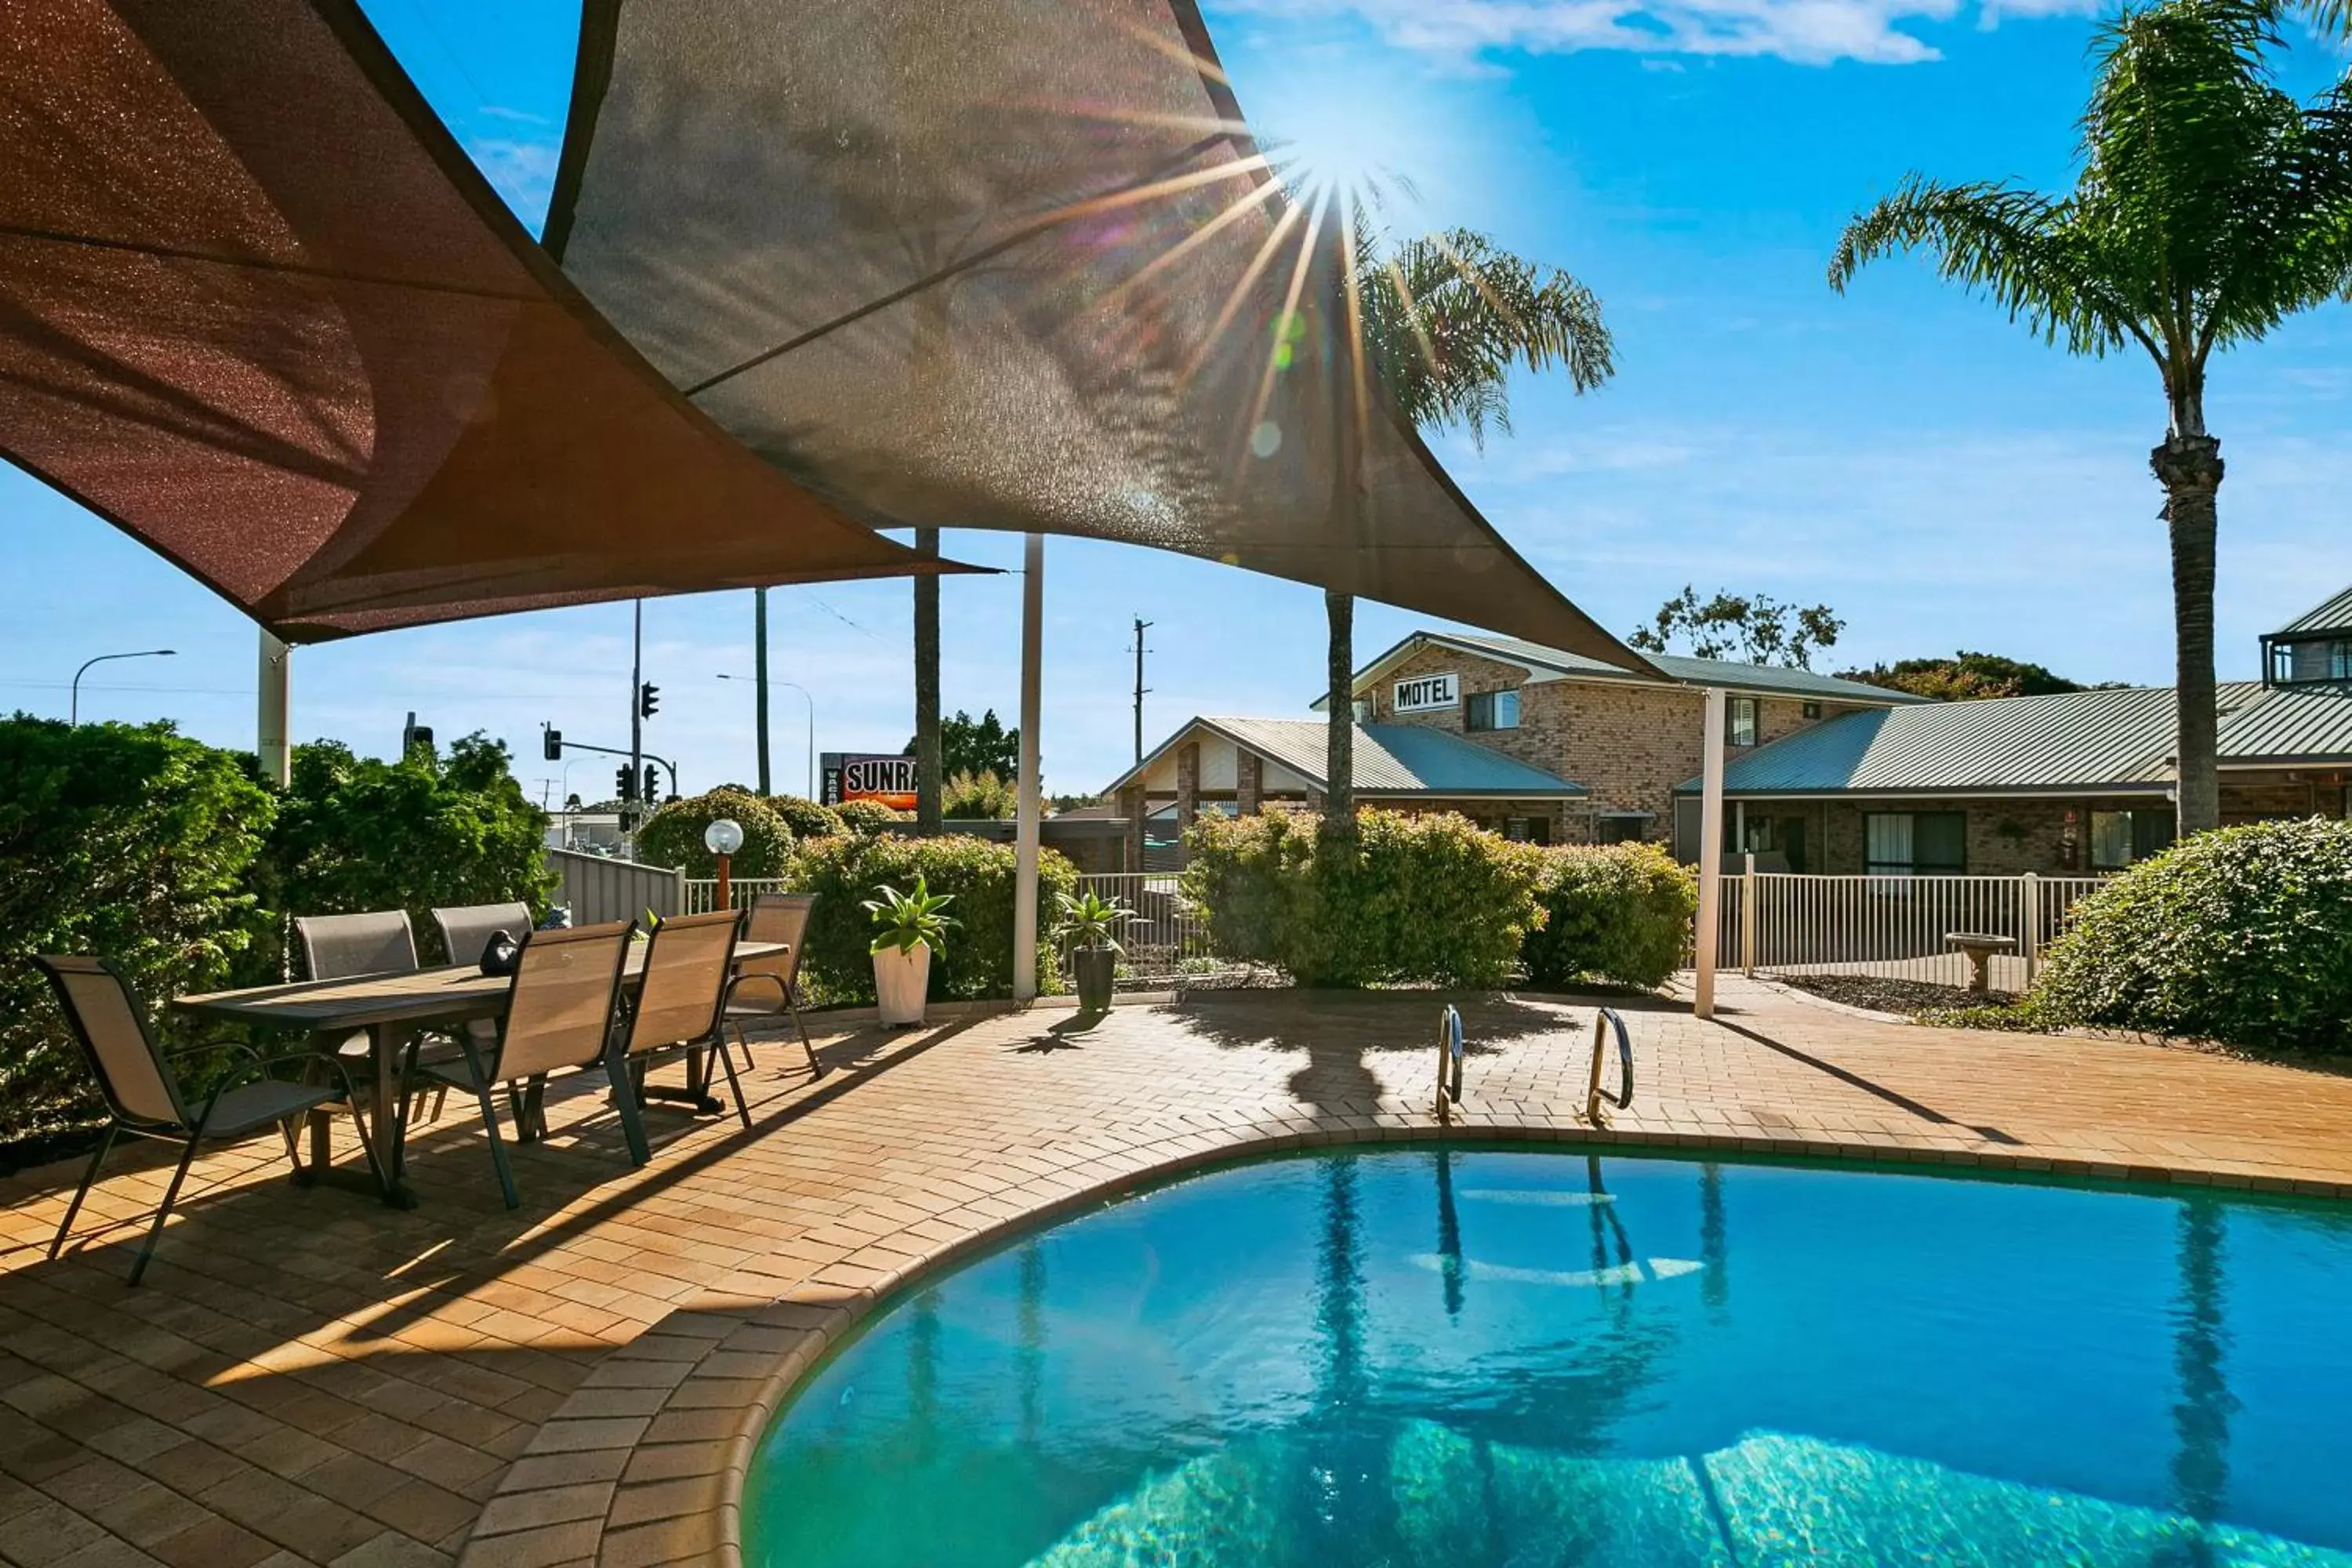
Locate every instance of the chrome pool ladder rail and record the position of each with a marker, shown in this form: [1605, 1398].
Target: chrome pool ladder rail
[1449, 1052]
[1604, 1019]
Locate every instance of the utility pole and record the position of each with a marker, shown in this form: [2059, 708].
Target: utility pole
[760, 681]
[636, 703]
[1140, 625]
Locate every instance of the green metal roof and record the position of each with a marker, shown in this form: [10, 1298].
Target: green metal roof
[1390, 759]
[2335, 615]
[1730, 674]
[2120, 739]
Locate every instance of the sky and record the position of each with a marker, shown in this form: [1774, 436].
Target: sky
[1936, 476]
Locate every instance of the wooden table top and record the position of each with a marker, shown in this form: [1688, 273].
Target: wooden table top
[451, 992]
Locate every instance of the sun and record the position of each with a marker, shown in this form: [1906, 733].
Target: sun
[1356, 144]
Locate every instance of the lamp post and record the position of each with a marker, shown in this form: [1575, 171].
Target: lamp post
[722, 838]
[794, 686]
[74, 711]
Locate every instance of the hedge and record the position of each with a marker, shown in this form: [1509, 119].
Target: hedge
[673, 836]
[134, 843]
[354, 834]
[843, 873]
[869, 815]
[806, 818]
[1406, 898]
[2242, 936]
[1619, 913]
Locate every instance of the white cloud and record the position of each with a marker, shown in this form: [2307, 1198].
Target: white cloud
[521, 172]
[1809, 32]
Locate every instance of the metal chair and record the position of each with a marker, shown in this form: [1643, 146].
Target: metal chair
[345, 947]
[681, 1005]
[561, 1011]
[773, 917]
[145, 1098]
[466, 930]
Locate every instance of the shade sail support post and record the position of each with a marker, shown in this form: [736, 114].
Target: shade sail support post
[1710, 854]
[270, 733]
[1029, 809]
[760, 684]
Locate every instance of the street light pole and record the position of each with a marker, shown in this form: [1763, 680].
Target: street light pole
[74, 709]
[789, 686]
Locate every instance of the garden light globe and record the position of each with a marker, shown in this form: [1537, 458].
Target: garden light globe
[723, 836]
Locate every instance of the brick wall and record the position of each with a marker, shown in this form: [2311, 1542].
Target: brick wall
[1629, 744]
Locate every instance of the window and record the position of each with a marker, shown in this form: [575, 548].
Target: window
[1812, 709]
[2120, 837]
[1528, 829]
[2340, 661]
[1915, 843]
[1491, 710]
[1742, 721]
[1623, 829]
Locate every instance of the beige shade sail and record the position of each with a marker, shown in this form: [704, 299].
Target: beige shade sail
[260, 311]
[1010, 264]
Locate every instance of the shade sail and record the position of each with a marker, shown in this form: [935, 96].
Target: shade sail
[1009, 264]
[259, 310]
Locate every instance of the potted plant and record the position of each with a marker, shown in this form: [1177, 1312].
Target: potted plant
[908, 927]
[1088, 927]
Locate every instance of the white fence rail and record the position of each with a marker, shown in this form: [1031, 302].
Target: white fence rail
[702, 892]
[1892, 927]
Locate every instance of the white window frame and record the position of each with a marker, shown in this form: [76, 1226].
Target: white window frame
[1732, 709]
[1426, 693]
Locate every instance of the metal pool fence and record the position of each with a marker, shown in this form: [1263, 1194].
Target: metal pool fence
[1891, 926]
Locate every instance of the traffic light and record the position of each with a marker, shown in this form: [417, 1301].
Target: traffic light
[625, 782]
[653, 785]
[648, 698]
[552, 748]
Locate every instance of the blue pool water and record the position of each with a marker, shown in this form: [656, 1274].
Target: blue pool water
[1476, 1359]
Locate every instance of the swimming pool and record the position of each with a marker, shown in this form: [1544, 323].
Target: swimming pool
[1478, 1358]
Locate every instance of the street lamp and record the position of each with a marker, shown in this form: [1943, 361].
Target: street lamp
[74, 711]
[797, 685]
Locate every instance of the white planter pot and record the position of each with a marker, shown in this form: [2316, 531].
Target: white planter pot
[900, 983]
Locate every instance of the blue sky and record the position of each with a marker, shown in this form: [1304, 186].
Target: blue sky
[1935, 474]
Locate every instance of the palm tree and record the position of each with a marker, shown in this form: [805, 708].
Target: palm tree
[2210, 205]
[1444, 320]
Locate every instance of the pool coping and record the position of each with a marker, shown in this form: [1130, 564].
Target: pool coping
[644, 1463]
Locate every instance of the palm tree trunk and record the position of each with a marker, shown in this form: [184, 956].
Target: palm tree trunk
[2190, 469]
[1339, 729]
[926, 689]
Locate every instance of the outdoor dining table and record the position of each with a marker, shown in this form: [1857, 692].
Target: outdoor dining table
[393, 1009]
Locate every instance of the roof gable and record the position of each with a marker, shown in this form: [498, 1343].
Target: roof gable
[1729, 674]
[2332, 615]
[1390, 759]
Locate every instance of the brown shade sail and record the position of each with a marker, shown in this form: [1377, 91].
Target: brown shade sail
[1009, 264]
[259, 309]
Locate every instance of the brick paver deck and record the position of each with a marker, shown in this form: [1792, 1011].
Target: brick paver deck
[309, 1377]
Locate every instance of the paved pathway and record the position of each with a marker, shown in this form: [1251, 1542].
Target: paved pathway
[308, 1377]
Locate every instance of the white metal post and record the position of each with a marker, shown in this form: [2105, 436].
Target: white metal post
[2029, 937]
[1025, 891]
[1710, 854]
[271, 741]
[1748, 914]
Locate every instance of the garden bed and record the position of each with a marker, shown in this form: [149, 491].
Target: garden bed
[1908, 997]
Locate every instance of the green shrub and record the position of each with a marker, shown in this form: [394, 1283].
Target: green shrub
[1618, 912]
[806, 818]
[354, 834]
[982, 796]
[2242, 936]
[1407, 899]
[977, 961]
[673, 836]
[868, 815]
[132, 843]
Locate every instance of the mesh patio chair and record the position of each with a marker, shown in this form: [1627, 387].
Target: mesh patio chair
[466, 930]
[682, 1004]
[561, 1008]
[773, 918]
[145, 1096]
[345, 947]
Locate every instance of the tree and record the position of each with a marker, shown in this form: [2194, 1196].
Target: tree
[1965, 677]
[2210, 206]
[1755, 628]
[1444, 320]
[982, 745]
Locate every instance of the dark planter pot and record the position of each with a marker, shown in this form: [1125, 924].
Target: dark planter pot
[1096, 967]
